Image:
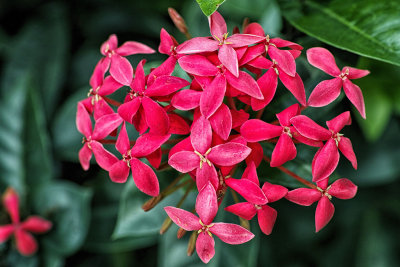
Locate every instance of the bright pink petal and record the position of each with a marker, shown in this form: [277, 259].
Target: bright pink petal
[251, 53]
[228, 57]
[295, 86]
[36, 224]
[304, 196]
[228, 154]
[156, 117]
[166, 43]
[85, 154]
[147, 144]
[346, 148]
[246, 210]
[110, 85]
[284, 58]
[184, 145]
[323, 59]
[123, 144]
[83, 122]
[132, 47]
[26, 244]
[354, 94]
[245, 84]
[260, 62]
[217, 25]
[119, 172]
[103, 157]
[266, 218]
[183, 218]
[308, 128]
[166, 68]
[5, 232]
[337, 123]
[239, 40]
[355, 73]
[212, 96]
[274, 192]
[178, 125]
[231, 233]
[206, 174]
[343, 189]
[197, 45]
[247, 189]
[283, 43]
[257, 130]
[206, 204]
[109, 45]
[166, 85]
[198, 65]
[101, 108]
[205, 247]
[144, 177]
[221, 122]
[121, 70]
[268, 84]
[284, 151]
[186, 99]
[97, 77]
[250, 173]
[184, 161]
[256, 154]
[254, 28]
[11, 203]
[201, 135]
[325, 92]
[139, 120]
[326, 161]
[239, 117]
[105, 125]
[285, 115]
[129, 109]
[323, 213]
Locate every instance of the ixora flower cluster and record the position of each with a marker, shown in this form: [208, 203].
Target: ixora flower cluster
[226, 72]
[25, 243]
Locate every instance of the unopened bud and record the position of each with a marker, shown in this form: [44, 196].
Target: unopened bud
[181, 232]
[192, 243]
[235, 30]
[246, 22]
[244, 223]
[178, 21]
[165, 226]
[152, 202]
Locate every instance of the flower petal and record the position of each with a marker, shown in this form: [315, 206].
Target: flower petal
[355, 73]
[266, 218]
[268, 84]
[85, 154]
[36, 224]
[254, 28]
[256, 154]
[119, 172]
[178, 125]
[201, 135]
[147, 144]
[197, 45]
[132, 47]
[285, 115]
[26, 244]
[166, 85]
[123, 144]
[346, 148]
[186, 99]
[184, 161]
[144, 177]
[212, 96]
[326, 161]
[228, 57]
[83, 122]
[221, 122]
[323, 59]
[239, 117]
[284, 58]
[11, 203]
[198, 65]
[283, 43]
[246, 210]
[103, 157]
[109, 45]
[295, 86]
[343, 189]
[231, 233]
[205, 247]
[5, 232]
[274, 192]
[228, 154]
[206, 204]
[206, 174]
[245, 84]
[183, 218]
[325, 92]
[308, 128]
[166, 42]
[354, 94]
[166, 68]
[257, 130]
[337, 123]
[323, 213]
[284, 151]
[156, 117]
[240, 40]
[217, 25]
[248, 190]
[250, 173]
[129, 109]
[105, 125]
[121, 70]
[304, 196]
[110, 85]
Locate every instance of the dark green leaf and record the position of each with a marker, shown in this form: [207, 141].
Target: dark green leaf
[68, 207]
[209, 6]
[366, 27]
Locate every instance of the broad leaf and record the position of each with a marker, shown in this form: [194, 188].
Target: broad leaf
[209, 6]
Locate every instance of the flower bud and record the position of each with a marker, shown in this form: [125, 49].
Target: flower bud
[181, 232]
[178, 20]
[165, 226]
[192, 243]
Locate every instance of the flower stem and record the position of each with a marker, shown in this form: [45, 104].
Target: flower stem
[112, 101]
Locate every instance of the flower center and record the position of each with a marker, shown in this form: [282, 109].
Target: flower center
[258, 207]
[205, 228]
[127, 158]
[325, 192]
[94, 93]
[87, 141]
[286, 130]
[203, 158]
[336, 137]
[223, 40]
[275, 66]
[344, 74]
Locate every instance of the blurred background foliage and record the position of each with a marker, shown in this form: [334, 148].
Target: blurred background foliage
[48, 50]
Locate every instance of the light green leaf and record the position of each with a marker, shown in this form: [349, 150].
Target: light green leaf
[209, 6]
[366, 27]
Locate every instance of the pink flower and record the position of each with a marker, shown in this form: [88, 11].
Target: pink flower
[203, 158]
[26, 244]
[120, 69]
[342, 189]
[221, 42]
[104, 126]
[327, 91]
[249, 188]
[327, 157]
[206, 208]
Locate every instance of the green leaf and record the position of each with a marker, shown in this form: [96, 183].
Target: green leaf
[67, 206]
[209, 6]
[366, 27]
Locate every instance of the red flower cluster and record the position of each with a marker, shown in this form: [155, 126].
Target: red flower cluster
[226, 72]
